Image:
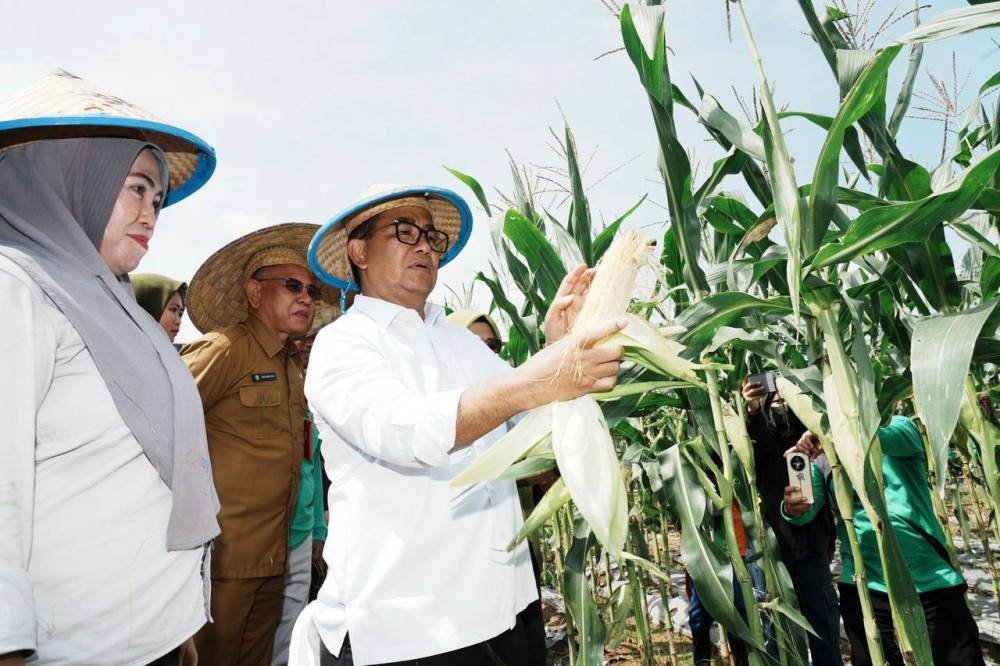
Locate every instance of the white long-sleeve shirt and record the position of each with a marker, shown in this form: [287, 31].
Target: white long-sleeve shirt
[416, 568]
[85, 576]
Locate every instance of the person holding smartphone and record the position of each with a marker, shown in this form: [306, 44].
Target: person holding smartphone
[953, 634]
[805, 548]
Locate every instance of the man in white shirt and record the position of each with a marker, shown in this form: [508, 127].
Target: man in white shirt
[404, 401]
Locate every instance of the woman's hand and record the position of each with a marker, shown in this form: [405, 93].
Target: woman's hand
[794, 503]
[753, 393]
[809, 444]
[567, 303]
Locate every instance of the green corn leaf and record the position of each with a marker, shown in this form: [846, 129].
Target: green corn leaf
[528, 468]
[787, 208]
[989, 201]
[634, 388]
[473, 185]
[579, 224]
[984, 433]
[603, 240]
[524, 204]
[523, 279]
[566, 245]
[646, 47]
[554, 499]
[706, 316]
[910, 222]
[527, 332]
[868, 88]
[741, 136]
[756, 342]
[736, 433]
[590, 629]
[974, 237]
[909, 80]
[621, 600]
[991, 83]
[828, 40]
[989, 280]
[940, 357]
[903, 180]
[542, 258]
[791, 612]
[642, 28]
[852, 141]
[649, 348]
[907, 611]
[936, 274]
[954, 22]
[645, 564]
[734, 162]
[802, 404]
[709, 567]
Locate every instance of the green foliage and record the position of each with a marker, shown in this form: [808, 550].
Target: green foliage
[859, 307]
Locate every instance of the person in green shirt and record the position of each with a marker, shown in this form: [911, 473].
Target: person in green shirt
[952, 630]
[307, 529]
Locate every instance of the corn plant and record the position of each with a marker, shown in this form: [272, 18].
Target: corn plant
[859, 306]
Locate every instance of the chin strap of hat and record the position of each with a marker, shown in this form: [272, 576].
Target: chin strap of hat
[343, 297]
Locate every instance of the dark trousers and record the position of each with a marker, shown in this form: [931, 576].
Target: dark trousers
[532, 619]
[818, 602]
[508, 649]
[953, 633]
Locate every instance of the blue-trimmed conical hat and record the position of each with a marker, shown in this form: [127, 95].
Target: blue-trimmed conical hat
[328, 249]
[63, 106]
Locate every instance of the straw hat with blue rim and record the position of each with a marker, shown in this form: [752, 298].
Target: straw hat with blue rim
[328, 249]
[63, 106]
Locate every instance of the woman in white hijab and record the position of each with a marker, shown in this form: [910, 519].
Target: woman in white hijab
[107, 504]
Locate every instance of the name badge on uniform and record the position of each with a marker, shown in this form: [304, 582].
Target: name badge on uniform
[264, 376]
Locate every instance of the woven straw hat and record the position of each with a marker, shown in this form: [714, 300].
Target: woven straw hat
[216, 297]
[328, 250]
[467, 318]
[63, 106]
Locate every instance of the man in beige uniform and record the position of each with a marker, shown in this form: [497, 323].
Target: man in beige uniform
[252, 296]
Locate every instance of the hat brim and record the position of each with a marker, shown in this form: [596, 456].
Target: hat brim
[190, 160]
[327, 251]
[216, 296]
[466, 318]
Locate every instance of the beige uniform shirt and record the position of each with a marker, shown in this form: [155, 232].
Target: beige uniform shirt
[251, 387]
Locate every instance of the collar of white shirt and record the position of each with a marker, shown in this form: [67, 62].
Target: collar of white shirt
[384, 312]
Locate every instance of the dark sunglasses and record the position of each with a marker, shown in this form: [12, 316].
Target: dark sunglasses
[494, 344]
[296, 286]
[408, 233]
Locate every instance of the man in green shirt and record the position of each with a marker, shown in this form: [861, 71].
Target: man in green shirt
[953, 633]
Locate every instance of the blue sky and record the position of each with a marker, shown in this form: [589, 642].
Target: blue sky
[308, 103]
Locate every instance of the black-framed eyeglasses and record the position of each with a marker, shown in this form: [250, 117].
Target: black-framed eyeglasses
[495, 344]
[296, 286]
[409, 233]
